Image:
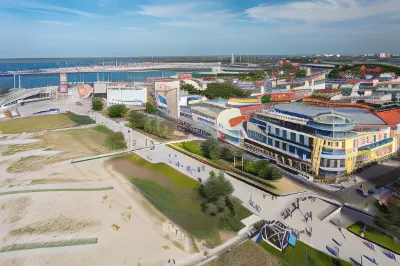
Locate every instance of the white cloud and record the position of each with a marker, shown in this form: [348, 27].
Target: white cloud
[323, 11]
[138, 30]
[205, 19]
[37, 7]
[166, 11]
[54, 22]
[133, 28]
[192, 15]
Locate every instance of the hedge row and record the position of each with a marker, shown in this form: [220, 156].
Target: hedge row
[53, 244]
[53, 190]
[236, 173]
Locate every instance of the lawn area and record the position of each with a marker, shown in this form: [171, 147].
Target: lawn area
[43, 122]
[174, 194]
[248, 253]
[72, 143]
[296, 256]
[375, 236]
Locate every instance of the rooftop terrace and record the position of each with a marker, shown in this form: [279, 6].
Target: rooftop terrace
[360, 116]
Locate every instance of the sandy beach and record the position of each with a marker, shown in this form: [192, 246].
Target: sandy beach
[64, 215]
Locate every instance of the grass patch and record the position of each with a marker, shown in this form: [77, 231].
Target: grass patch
[53, 244]
[79, 120]
[74, 143]
[165, 247]
[173, 194]
[375, 236]
[53, 181]
[16, 209]
[248, 253]
[178, 179]
[191, 146]
[296, 256]
[115, 141]
[58, 225]
[43, 122]
[53, 190]
[30, 163]
[178, 245]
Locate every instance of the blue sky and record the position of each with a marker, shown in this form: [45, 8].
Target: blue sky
[50, 28]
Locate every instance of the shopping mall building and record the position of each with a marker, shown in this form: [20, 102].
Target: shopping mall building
[313, 140]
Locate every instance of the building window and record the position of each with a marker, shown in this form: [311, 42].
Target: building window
[336, 144]
[301, 139]
[277, 144]
[292, 136]
[270, 141]
[269, 129]
[385, 136]
[343, 144]
[277, 132]
[284, 133]
[292, 149]
[284, 146]
[342, 163]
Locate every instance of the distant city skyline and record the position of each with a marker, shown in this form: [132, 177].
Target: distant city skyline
[105, 28]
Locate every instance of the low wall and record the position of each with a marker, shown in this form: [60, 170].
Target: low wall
[175, 234]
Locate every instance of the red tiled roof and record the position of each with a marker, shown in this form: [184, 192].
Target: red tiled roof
[247, 109]
[283, 96]
[390, 117]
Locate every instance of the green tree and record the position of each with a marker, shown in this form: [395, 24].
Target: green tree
[301, 74]
[189, 88]
[265, 99]
[150, 109]
[334, 74]
[118, 110]
[136, 119]
[97, 104]
[216, 153]
[209, 145]
[224, 91]
[217, 186]
[226, 154]
[237, 152]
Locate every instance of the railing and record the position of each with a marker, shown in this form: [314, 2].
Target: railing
[332, 127]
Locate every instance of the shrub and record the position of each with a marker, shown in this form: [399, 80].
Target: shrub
[118, 110]
[150, 109]
[136, 119]
[97, 104]
[217, 186]
[209, 145]
[116, 141]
